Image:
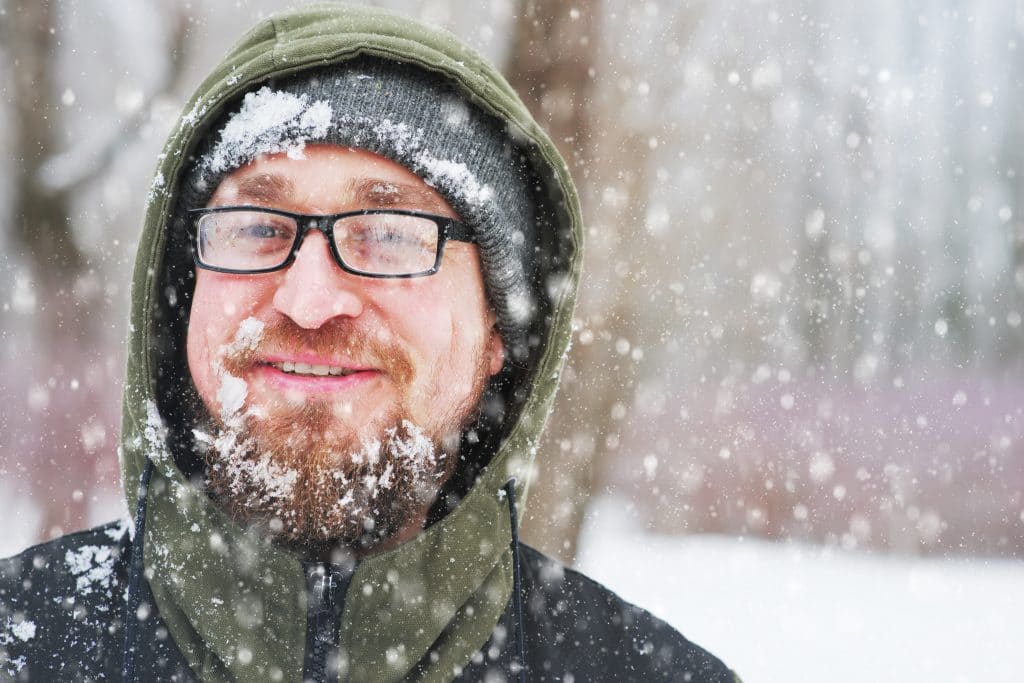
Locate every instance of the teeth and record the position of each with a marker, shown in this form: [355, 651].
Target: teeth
[315, 370]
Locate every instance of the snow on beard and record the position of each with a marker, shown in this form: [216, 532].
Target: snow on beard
[310, 480]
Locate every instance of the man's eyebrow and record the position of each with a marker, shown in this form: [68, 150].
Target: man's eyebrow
[265, 188]
[382, 194]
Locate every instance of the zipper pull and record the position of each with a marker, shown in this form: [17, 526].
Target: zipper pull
[326, 599]
[325, 588]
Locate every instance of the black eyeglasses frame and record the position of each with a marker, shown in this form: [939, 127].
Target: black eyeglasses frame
[447, 229]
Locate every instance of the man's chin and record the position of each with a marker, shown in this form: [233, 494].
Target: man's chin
[313, 483]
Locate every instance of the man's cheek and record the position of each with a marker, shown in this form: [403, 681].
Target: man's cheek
[196, 351]
[203, 339]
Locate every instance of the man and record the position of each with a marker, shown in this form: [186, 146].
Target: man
[351, 304]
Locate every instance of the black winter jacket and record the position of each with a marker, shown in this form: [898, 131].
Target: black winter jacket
[62, 611]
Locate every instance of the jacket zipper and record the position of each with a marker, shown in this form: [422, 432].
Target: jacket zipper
[326, 585]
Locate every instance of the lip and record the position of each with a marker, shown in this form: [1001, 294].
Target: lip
[312, 384]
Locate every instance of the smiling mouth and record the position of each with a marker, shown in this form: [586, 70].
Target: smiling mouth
[307, 370]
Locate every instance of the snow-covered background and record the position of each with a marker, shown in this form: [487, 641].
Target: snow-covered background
[796, 612]
[798, 357]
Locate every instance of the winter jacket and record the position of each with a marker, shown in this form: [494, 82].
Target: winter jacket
[64, 608]
[184, 592]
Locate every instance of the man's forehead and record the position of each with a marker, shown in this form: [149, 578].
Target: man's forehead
[277, 185]
[267, 187]
[373, 185]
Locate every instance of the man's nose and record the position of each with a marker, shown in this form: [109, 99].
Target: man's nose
[315, 289]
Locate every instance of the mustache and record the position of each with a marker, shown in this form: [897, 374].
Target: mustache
[342, 336]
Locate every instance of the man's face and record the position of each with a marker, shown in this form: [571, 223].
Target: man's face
[413, 354]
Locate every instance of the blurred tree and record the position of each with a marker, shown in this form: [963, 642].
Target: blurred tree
[552, 56]
[63, 328]
[553, 62]
[71, 404]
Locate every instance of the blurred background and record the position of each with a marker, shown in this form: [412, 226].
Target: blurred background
[793, 418]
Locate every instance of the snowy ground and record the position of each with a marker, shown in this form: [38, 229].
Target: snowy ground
[791, 613]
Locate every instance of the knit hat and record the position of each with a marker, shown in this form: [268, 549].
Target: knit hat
[417, 119]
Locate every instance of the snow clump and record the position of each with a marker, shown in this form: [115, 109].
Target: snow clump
[155, 434]
[233, 390]
[270, 121]
[24, 631]
[116, 533]
[231, 395]
[93, 565]
[248, 336]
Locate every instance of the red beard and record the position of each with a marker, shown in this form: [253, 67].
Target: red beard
[309, 483]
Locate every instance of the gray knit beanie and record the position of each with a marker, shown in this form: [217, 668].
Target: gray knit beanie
[417, 119]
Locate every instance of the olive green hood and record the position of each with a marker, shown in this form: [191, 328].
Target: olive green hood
[236, 604]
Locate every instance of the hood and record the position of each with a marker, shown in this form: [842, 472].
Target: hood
[235, 603]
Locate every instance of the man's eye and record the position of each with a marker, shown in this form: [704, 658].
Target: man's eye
[373, 234]
[261, 231]
[396, 236]
[388, 235]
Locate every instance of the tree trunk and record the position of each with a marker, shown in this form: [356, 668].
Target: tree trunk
[551, 64]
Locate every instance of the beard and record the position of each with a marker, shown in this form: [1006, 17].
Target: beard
[298, 472]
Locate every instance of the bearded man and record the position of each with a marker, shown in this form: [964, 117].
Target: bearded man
[352, 300]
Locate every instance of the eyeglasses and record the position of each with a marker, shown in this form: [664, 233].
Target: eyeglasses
[382, 243]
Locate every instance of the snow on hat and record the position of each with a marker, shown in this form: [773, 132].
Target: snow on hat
[417, 119]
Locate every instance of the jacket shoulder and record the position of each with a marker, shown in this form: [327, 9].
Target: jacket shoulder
[577, 626]
[60, 606]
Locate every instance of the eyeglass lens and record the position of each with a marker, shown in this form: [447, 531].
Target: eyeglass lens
[377, 244]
